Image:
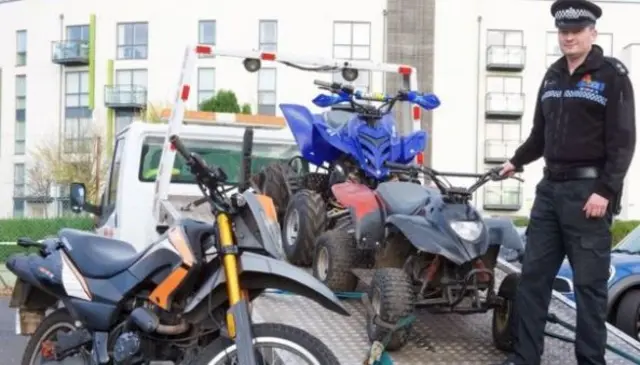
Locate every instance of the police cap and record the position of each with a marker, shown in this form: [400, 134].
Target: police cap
[575, 13]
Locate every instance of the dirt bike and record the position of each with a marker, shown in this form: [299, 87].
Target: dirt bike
[183, 300]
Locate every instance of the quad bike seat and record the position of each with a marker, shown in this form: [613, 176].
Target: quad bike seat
[401, 197]
[97, 256]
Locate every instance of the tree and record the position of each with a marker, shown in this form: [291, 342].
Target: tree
[225, 101]
[53, 166]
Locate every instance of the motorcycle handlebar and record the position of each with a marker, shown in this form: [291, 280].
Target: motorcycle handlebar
[198, 166]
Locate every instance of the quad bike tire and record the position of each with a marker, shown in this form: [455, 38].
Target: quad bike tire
[627, 313]
[59, 319]
[392, 296]
[334, 258]
[502, 323]
[309, 207]
[272, 181]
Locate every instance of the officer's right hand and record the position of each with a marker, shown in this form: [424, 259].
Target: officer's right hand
[507, 169]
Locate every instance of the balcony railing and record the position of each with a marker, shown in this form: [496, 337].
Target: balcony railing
[506, 58]
[70, 52]
[505, 105]
[125, 96]
[497, 197]
[498, 150]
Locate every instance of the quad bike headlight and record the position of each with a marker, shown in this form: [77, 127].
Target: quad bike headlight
[467, 230]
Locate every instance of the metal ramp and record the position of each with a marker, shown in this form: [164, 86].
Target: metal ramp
[443, 339]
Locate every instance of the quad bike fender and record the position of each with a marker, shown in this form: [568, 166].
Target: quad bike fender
[502, 233]
[313, 145]
[405, 148]
[365, 211]
[424, 237]
[257, 273]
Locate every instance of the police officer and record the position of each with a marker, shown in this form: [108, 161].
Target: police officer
[584, 127]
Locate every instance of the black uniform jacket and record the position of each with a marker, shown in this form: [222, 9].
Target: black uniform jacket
[584, 119]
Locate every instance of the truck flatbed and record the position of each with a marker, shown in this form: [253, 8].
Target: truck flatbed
[437, 339]
[444, 339]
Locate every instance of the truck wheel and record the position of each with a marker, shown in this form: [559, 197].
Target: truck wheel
[304, 220]
[392, 297]
[628, 313]
[272, 181]
[503, 316]
[334, 258]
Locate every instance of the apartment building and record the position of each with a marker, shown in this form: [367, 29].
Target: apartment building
[69, 64]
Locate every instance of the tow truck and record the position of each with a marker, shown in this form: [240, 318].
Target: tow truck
[148, 188]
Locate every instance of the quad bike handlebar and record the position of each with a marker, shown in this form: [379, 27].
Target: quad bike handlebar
[347, 93]
[445, 187]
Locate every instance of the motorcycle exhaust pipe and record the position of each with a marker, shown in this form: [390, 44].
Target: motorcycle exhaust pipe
[149, 322]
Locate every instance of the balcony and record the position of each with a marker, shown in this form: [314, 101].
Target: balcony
[125, 97]
[504, 105]
[506, 58]
[502, 198]
[499, 150]
[70, 53]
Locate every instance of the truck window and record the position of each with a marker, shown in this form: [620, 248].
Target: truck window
[227, 155]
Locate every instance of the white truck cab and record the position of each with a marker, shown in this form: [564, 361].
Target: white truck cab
[129, 191]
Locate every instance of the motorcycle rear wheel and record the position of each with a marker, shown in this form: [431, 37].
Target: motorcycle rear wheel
[222, 351]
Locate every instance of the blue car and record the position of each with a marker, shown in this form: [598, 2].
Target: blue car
[623, 310]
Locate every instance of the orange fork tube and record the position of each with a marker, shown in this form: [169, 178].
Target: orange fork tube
[230, 260]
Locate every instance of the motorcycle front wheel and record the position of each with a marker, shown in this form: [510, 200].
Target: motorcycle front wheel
[274, 344]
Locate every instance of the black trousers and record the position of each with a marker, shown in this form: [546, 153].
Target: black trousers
[558, 226]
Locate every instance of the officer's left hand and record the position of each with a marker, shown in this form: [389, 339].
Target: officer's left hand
[596, 206]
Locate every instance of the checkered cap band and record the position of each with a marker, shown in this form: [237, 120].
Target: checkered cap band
[574, 14]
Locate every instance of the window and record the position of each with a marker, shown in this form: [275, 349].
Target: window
[123, 119]
[267, 91]
[18, 190]
[504, 85]
[132, 86]
[78, 33]
[77, 122]
[21, 48]
[268, 35]
[553, 49]
[114, 174]
[502, 138]
[505, 38]
[206, 84]
[133, 40]
[506, 194]
[207, 34]
[132, 77]
[227, 155]
[20, 136]
[352, 41]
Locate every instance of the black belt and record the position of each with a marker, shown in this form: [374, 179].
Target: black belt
[577, 173]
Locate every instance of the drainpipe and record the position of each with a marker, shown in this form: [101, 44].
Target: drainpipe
[60, 91]
[478, 93]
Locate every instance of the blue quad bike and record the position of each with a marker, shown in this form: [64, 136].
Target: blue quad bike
[431, 249]
[350, 142]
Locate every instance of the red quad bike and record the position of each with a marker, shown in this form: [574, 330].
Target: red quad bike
[430, 247]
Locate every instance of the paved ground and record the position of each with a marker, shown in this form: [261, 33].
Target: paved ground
[11, 346]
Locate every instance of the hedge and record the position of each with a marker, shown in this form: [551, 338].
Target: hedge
[12, 229]
[619, 229]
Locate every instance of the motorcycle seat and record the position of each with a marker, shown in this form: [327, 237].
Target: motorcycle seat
[96, 256]
[401, 197]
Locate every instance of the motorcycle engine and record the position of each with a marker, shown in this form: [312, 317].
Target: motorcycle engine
[126, 350]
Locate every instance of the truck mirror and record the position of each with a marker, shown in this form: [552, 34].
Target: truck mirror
[77, 197]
